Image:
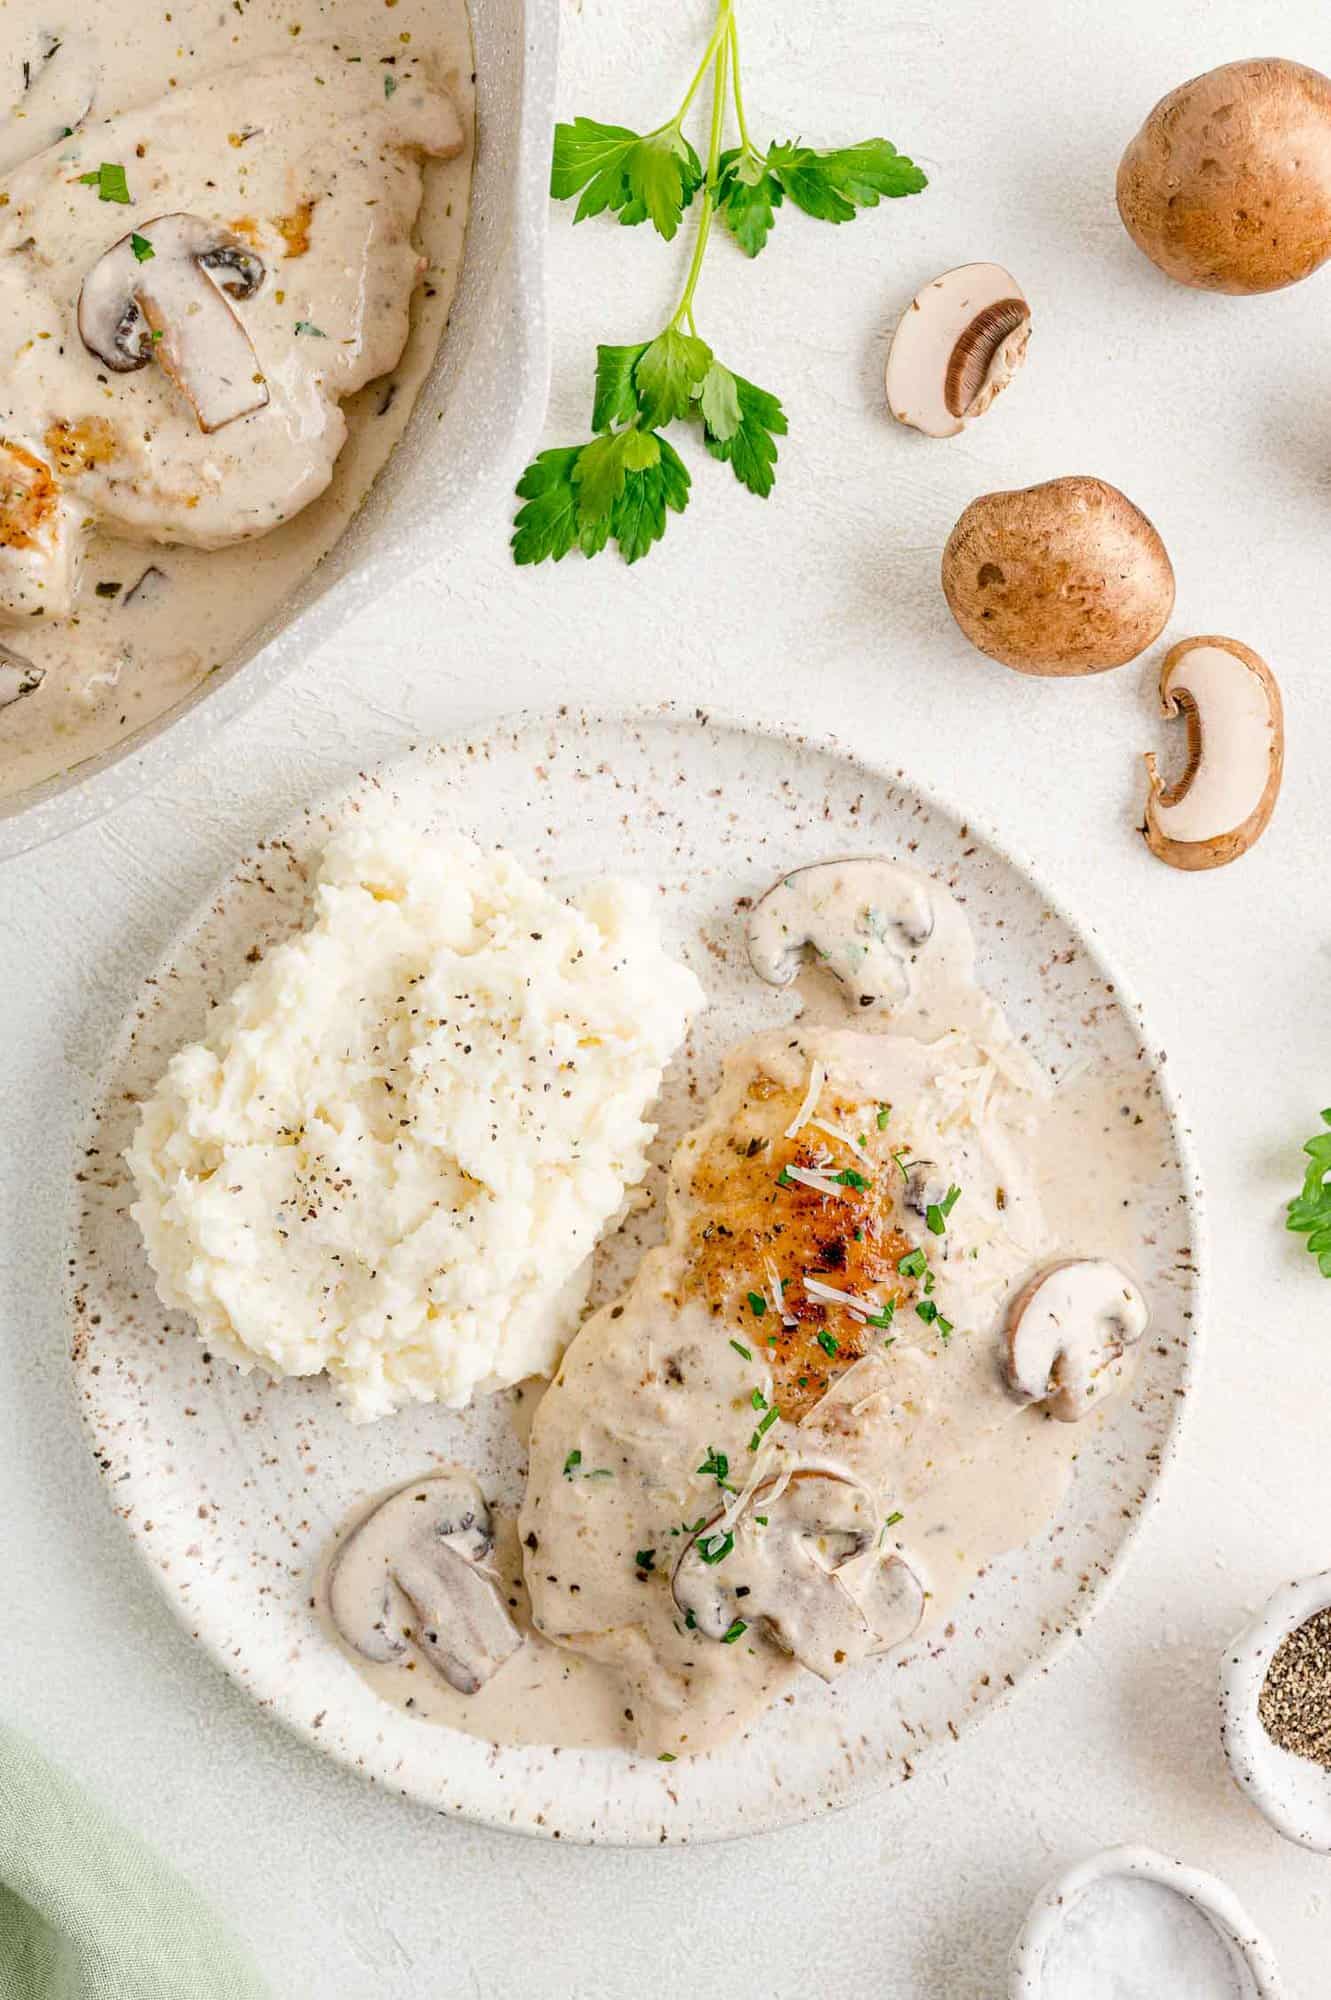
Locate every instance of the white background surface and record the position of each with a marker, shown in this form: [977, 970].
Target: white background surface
[821, 609]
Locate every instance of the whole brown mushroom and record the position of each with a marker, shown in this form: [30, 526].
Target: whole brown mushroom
[1227, 186]
[1064, 578]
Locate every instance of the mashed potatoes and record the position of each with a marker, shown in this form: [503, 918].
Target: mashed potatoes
[395, 1150]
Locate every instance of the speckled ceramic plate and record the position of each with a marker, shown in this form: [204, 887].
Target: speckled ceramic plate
[232, 1489]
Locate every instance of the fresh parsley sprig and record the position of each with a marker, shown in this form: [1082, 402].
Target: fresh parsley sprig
[624, 482]
[1309, 1213]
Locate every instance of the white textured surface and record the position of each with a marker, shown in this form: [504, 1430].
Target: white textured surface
[1209, 413]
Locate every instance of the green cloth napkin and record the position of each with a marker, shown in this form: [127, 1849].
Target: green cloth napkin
[87, 1912]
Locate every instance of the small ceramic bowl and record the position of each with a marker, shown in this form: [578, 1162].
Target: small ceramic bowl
[1244, 1962]
[1293, 1792]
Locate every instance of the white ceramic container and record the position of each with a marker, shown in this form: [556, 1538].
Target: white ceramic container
[490, 380]
[1246, 1954]
[1293, 1792]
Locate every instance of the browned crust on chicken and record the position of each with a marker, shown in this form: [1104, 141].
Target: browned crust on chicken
[751, 1222]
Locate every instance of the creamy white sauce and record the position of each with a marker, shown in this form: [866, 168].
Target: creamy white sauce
[263, 122]
[659, 1386]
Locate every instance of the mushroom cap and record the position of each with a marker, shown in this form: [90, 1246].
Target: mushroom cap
[1067, 1330]
[411, 1574]
[1223, 802]
[1063, 578]
[957, 346]
[1227, 186]
[807, 1571]
[865, 917]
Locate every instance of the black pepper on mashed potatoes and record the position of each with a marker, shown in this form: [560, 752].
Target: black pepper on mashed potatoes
[394, 1152]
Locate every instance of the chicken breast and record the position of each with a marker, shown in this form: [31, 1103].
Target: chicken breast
[283, 196]
[744, 1465]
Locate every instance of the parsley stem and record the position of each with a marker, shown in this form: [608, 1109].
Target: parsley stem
[745, 140]
[724, 24]
[721, 63]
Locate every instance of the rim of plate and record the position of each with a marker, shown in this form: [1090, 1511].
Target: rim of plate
[847, 1788]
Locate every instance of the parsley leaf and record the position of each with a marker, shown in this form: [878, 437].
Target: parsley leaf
[548, 524]
[109, 181]
[830, 186]
[141, 246]
[1309, 1213]
[616, 398]
[670, 370]
[632, 174]
[748, 197]
[751, 452]
[639, 516]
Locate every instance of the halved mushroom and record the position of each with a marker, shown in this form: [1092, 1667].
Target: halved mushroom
[1230, 701]
[59, 79]
[957, 346]
[1067, 1330]
[412, 1574]
[165, 302]
[864, 918]
[17, 676]
[801, 1560]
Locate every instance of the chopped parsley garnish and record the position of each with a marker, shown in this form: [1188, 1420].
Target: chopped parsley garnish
[666, 1757]
[141, 247]
[690, 1622]
[716, 1466]
[757, 1304]
[745, 1353]
[899, 1162]
[308, 326]
[761, 1519]
[849, 1178]
[390, 85]
[571, 1464]
[913, 1266]
[927, 1311]
[715, 1548]
[764, 1427]
[645, 1558]
[828, 1342]
[109, 181]
[885, 1317]
[736, 1631]
[936, 1214]
[601, 1472]
[893, 1518]
[929, 1282]
[783, 1179]
[884, 1113]
[758, 1400]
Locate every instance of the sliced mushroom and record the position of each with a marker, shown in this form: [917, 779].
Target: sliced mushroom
[801, 1561]
[59, 81]
[17, 676]
[926, 1187]
[1067, 1331]
[167, 304]
[412, 1574]
[1229, 699]
[864, 918]
[957, 346]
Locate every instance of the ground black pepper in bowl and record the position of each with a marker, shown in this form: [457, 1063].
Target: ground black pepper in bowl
[1295, 1702]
